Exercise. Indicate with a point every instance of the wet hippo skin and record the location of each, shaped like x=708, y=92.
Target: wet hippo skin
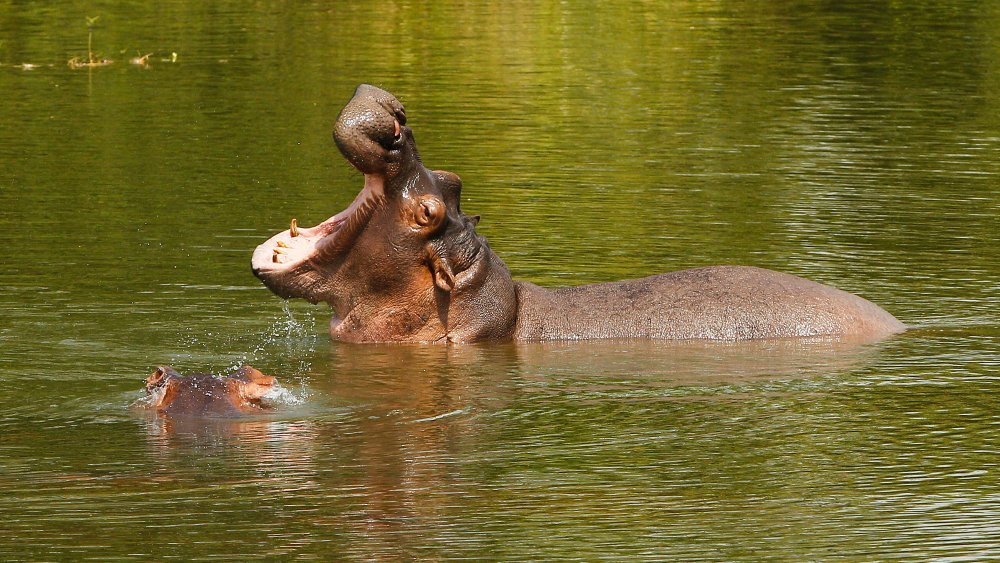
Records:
x=203, y=394
x=403, y=264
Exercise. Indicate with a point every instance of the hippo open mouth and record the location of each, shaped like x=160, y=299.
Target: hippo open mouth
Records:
x=302, y=261
x=293, y=253
x=370, y=134
x=306, y=261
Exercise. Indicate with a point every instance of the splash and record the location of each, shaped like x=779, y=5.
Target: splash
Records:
x=279, y=395
x=147, y=400
x=287, y=334
x=284, y=348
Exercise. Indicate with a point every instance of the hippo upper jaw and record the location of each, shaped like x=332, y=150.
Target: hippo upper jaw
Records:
x=299, y=261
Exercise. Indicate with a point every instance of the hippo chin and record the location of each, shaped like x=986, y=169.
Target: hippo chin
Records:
x=403, y=264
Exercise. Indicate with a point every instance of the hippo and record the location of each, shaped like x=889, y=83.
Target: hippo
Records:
x=202, y=394
x=403, y=264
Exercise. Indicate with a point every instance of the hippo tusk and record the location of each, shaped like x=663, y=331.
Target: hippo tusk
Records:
x=294, y=228
x=281, y=244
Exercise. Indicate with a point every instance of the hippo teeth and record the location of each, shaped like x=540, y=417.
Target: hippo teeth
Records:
x=322, y=243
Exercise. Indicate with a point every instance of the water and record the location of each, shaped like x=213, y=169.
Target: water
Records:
x=853, y=143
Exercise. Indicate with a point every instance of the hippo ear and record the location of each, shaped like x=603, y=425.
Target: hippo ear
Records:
x=451, y=188
x=156, y=377
x=159, y=377
x=253, y=375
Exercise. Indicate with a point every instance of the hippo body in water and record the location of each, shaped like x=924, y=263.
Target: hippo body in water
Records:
x=203, y=394
x=403, y=264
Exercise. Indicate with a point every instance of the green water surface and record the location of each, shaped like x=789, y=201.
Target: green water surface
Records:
x=853, y=143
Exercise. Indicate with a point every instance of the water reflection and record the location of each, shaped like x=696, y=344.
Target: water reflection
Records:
x=409, y=435
x=405, y=451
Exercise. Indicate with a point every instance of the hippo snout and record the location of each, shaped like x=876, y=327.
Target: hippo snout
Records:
x=369, y=129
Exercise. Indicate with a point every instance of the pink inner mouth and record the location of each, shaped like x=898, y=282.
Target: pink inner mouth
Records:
x=294, y=246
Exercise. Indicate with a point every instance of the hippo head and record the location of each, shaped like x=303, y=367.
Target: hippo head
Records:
x=205, y=394
x=392, y=264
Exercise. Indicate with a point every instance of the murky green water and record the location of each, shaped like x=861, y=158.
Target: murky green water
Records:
x=854, y=143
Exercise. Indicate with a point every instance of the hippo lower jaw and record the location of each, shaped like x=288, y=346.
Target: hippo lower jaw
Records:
x=296, y=262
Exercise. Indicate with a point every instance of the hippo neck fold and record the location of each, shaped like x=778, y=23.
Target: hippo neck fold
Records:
x=480, y=302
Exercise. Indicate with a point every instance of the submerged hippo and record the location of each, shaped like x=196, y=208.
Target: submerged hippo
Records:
x=402, y=263
x=202, y=394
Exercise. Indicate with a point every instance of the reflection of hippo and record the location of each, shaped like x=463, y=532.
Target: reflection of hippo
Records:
x=402, y=263
x=202, y=394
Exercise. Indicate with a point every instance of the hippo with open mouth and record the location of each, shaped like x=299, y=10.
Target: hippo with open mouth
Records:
x=403, y=264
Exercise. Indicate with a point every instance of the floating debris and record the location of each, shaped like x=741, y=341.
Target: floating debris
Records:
x=75, y=63
x=93, y=60
x=142, y=60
